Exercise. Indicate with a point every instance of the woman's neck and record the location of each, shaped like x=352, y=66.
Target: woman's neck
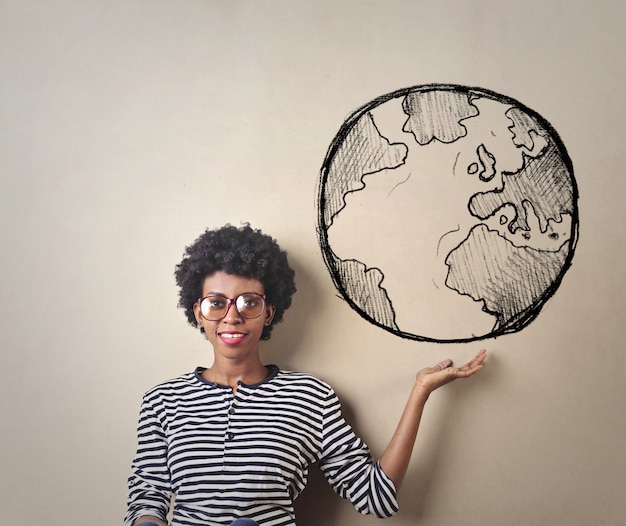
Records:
x=230, y=373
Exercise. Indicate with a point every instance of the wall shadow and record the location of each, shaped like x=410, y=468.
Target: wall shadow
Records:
x=285, y=345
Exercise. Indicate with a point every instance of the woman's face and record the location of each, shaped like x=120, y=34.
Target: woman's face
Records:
x=233, y=335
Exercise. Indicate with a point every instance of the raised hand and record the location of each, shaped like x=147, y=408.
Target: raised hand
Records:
x=432, y=378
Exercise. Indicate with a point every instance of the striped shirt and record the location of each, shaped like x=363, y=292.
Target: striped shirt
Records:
x=227, y=455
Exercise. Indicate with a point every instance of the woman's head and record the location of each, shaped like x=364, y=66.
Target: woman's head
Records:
x=240, y=251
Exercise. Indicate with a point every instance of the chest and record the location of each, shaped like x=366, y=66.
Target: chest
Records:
x=223, y=431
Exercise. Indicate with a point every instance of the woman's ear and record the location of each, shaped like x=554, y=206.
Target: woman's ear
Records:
x=196, y=311
x=269, y=314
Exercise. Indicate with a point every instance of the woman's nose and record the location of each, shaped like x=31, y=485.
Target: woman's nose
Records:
x=232, y=314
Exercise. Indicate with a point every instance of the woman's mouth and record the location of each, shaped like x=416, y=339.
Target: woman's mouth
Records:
x=232, y=338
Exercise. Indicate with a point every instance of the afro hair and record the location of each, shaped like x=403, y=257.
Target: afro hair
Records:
x=241, y=251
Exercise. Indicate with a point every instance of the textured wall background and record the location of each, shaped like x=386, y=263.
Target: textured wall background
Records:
x=126, y=128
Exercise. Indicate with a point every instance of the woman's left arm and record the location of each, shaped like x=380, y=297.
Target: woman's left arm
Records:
x=395, y=460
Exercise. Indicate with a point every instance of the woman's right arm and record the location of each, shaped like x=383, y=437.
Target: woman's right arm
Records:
x=149, y=485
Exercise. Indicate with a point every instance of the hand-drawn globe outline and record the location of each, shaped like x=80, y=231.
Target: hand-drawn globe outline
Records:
x=439, y=115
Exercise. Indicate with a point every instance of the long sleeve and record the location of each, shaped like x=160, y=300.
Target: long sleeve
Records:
x=349, y=467
x=149, y=487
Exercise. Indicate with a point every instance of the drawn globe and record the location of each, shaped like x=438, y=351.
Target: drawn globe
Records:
x=447, y=213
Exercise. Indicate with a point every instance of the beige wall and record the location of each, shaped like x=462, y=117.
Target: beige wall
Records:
x=127, y=127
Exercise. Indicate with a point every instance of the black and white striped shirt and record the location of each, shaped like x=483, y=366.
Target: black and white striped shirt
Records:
x=246, y=454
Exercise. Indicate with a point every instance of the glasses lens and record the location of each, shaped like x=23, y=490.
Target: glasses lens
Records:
x=250, y=305
x=213, y=307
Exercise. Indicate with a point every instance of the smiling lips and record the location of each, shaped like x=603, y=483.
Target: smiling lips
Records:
x=231, y=338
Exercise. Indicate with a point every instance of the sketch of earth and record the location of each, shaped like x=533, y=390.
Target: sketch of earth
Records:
x=447, y=213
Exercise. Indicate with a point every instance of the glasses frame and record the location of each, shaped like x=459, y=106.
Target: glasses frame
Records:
x=233, y=301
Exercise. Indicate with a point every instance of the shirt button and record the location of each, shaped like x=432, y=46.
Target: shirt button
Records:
x=229, y=436
x=231, y=411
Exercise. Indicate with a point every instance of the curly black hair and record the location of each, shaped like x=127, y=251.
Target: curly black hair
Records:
x=241, y=251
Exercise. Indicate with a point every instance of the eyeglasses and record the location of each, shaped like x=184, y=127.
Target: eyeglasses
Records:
x=249, y=305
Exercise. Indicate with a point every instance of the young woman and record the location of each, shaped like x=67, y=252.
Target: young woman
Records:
x=234, y=441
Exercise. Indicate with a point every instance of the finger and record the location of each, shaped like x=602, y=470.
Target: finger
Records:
x=481, y=355
x=478, y=359
x=444, y=364
x=471, y=368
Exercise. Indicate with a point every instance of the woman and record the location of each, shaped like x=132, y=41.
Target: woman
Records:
x=234, y=441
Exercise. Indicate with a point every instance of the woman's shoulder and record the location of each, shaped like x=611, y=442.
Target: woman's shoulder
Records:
x=174, y=386
x=301, y=379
